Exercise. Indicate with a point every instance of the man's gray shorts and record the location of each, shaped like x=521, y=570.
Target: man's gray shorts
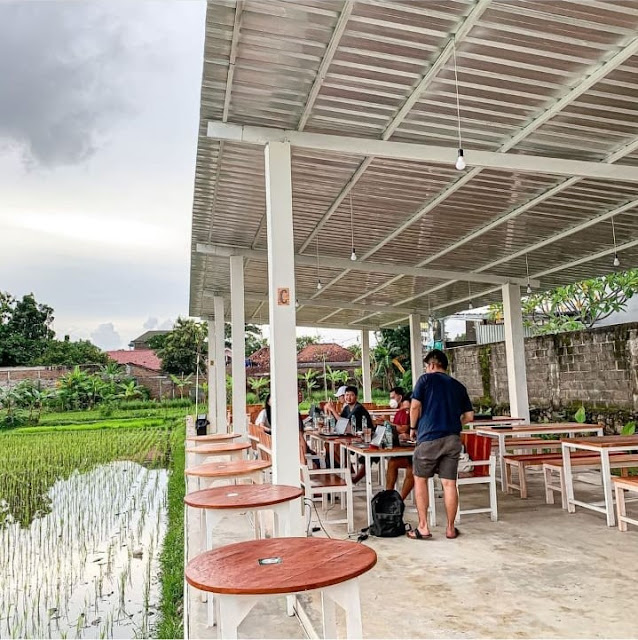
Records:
x=437, y=456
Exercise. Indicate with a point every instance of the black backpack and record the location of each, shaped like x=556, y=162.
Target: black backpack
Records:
x=387, y=515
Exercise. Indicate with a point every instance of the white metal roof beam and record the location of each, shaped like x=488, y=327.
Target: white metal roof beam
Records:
x=331, y=49
x=561, y=267
x=425, y=81
x=225, y=251
x=446, y=156
x=586, y=83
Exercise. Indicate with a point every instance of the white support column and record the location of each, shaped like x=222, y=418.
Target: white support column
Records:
x=515, y=351
x=365, y=365
x=281, y=301
x=416, y=347
x=220, y=366
x=238, y=333
x=212, y=361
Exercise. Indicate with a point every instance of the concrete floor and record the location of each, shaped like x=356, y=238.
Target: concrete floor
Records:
x=538, y=572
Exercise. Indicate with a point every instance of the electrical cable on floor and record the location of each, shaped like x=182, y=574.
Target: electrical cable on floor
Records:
x=312, y=505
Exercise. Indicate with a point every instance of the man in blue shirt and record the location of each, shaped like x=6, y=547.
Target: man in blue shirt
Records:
x=439, y=409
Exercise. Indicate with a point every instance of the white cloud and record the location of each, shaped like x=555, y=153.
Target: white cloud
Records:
x=150, y=324
x=106, y=337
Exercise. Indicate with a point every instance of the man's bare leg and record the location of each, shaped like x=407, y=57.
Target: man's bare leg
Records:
x=422, y=502
x=408, y=483
x=392, y=474
x=451, y=499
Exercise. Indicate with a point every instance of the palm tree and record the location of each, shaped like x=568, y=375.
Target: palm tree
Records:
x=336, y=377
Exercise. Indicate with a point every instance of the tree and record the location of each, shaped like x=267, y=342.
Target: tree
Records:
x=181, y=383
x=253, y=336
x=157, y=341
x=304, y=341
x=259, y=386
x=576, y=306
x=336, y=377
x=309, y=379
x=25, y=329
x=184, y=346
x=65, y=352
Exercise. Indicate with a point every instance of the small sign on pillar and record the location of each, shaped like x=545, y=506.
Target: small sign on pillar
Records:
x=283, y=296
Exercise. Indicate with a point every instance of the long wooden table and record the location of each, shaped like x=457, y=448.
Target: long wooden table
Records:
x=603, y=446
x=515, y=431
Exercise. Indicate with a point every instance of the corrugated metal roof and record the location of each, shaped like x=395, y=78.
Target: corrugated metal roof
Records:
x=536, y=77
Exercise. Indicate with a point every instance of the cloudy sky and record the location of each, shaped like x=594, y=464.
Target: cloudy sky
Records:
x=98, y=120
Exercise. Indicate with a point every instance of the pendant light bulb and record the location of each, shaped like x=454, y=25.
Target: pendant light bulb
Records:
x=460, y=161
x=616, y=261
x=353, y=255
x=319, y=285
x=529, y=289
x=297, y=305
x=470, y=305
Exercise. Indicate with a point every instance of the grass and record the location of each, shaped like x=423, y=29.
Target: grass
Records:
x=172, y=559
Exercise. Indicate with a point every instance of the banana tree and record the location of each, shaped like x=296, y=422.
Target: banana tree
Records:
x=259, y=385
x=336, y=377
x=310, y=381
x=182, y=382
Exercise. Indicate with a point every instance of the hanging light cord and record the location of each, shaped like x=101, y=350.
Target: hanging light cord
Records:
x=458, y=104
x=351, y=222
x=613, y=232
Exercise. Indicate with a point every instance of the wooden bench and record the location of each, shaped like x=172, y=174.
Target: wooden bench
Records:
x=525, y=460
x=554, y=471
x=533, y=444
x=621, y=485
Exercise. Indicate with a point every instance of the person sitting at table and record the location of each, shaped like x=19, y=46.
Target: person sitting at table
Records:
x=353, y=408
x=401, y=420
x=333, y=408
x=264, y=418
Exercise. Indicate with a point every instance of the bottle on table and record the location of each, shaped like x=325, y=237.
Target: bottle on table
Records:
x=387, y=436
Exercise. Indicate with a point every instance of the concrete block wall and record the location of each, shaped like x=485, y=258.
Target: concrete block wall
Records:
x=597, y=367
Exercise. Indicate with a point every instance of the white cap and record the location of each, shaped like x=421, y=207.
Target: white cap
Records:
x=341, y=391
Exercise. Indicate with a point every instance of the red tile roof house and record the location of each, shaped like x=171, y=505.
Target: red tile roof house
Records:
x=146, y=368
x=310, y=357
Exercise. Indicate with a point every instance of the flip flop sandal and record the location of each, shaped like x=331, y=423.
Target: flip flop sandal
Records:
x=457, y=533
x=417, y=535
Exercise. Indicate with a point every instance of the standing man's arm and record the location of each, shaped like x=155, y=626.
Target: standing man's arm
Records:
x=415, y=414
x=466, y=408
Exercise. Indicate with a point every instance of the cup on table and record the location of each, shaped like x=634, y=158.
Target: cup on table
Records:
x=367, y=435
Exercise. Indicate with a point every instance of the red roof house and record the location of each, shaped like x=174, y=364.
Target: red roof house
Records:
x=146, y=358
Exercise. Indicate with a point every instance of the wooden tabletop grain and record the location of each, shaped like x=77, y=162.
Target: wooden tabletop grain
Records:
x=605, y=442
x=221, y=469
x=242, y=496
x=219, y=448
x=214, y=437
x=304, y=564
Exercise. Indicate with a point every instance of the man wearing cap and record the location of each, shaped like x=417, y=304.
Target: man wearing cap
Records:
x=330, y=407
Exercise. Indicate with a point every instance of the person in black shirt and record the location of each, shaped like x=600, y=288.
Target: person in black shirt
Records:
x=439, y=409
x=353, y=408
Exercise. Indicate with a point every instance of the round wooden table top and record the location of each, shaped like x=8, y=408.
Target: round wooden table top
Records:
x=219, y=448
x=223, y=469
x=288, y=565
x=242, y=496
x=214, y=437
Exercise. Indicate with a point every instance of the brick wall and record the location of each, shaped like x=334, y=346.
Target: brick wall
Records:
x=48, y=376
x=598, y=368
x=158, y=384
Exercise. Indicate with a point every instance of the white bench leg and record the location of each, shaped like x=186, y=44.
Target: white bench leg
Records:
x=493, y=495
x=622, y=508
x=607, y=488
x=549, y=492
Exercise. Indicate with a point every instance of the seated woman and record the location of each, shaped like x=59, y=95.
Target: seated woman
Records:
x=264, y=418
x=399, y=399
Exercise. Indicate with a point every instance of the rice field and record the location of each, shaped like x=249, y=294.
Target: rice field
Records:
x=82, y=520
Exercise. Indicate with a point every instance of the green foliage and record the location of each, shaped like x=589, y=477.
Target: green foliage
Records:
x=172, y=556
x=181, y=382
x=25, y=330
x=304, y=341
x=68, y=353
x=391, y=356
x=355, y=350
x=580, y=416
x=183, y=347
x=253, y=338
x=576, y=306
x=336, y=377
x=629, y=429
x=259, y=386
x=309, y=379
x=157, y=341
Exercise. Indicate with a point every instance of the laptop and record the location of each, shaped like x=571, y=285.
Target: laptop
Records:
x=379, y=433
x=343, y=427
